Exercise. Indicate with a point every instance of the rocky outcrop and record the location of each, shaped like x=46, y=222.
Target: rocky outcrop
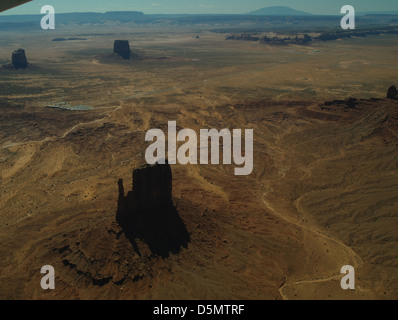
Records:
x=147, y=212
x=301, y=39
x=246, y=37
x=19, y=60
x=350, y=103
x=328, y=37
x=392, y=93
x=122, y=48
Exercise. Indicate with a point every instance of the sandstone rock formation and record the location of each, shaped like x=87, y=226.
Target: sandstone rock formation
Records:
x=392, y=93
x=122, y=48
x=19, y=60
x=280, y=40
x=147, y=212
x=246, y=37
x=350, y=103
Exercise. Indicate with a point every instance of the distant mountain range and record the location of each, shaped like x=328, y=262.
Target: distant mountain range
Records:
x=380, y=12
x=278, y=11
x=269, y=17
x=287, y=11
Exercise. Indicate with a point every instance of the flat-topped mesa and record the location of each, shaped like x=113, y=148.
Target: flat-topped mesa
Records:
x=122, y=48
x=148, y=213
x=19, y=60
x=392, y=93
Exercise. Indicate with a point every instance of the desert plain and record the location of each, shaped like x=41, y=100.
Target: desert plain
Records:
x=322, y=194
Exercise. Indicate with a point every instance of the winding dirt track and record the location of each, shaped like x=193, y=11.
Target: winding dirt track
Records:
x=354, y=256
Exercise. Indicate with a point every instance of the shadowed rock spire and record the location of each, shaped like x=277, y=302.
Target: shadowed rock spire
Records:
x=392, y=92
x=122, y=48
x=147, y=212
x=19, y=60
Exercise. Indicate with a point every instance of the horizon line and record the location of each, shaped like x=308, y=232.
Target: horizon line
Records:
x=305, y=14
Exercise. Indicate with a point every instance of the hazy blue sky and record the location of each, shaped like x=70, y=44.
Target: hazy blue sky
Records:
x=203, y=6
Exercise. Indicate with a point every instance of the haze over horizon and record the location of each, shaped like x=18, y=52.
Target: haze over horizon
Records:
x=202, y=6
